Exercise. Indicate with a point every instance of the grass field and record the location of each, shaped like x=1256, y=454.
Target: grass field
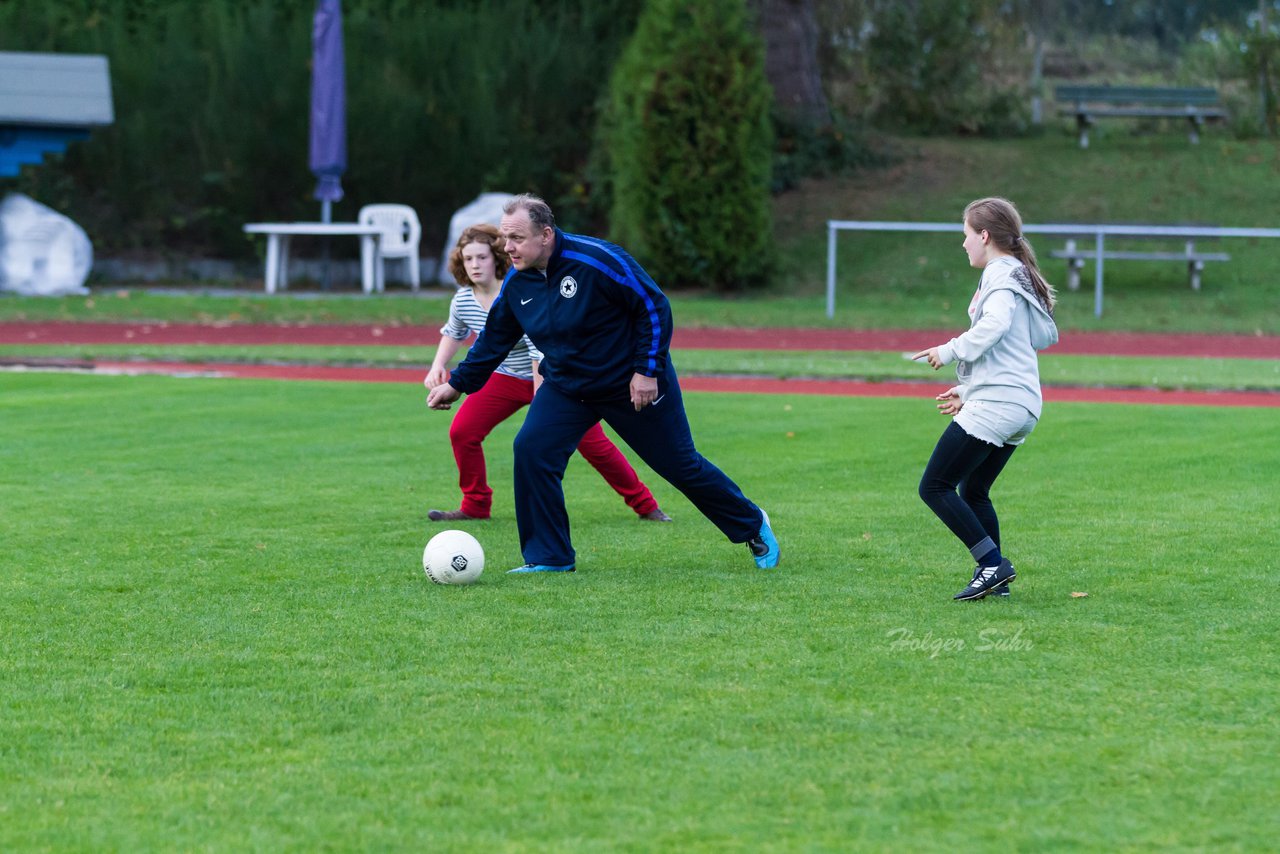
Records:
x=218, y=636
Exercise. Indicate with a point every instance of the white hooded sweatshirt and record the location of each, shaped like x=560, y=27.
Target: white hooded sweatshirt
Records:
x=996, y=358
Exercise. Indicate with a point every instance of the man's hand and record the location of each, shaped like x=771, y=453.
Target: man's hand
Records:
x=644, y=391
x=442, y=395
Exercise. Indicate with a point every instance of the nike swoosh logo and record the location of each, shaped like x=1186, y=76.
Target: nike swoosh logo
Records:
x=657, y=400
x=526, y=301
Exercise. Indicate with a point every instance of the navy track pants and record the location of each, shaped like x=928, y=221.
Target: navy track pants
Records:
x=659, y=434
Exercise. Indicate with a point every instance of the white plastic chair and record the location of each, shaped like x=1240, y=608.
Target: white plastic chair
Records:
x=401, y=232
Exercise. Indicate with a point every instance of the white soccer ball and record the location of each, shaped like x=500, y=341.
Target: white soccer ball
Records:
x=453, y=557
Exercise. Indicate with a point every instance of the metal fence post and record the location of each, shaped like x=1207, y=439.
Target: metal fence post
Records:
x=1097, y=283
x=831, y=269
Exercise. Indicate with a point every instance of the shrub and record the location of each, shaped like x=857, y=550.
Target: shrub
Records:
x=688, y=145
x=807, y=150
x=939, y=67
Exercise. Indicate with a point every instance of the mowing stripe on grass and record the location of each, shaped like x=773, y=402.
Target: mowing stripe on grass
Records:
x=745, y=385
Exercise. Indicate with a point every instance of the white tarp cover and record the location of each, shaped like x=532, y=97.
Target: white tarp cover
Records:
x=42, y=252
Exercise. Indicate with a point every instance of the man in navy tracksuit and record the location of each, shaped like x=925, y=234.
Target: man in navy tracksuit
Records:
x=604, y=329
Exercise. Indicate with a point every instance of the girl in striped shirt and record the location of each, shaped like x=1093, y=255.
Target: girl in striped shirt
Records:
x=479, y=264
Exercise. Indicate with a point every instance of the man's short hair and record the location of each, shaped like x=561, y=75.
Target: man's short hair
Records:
x=539, y=211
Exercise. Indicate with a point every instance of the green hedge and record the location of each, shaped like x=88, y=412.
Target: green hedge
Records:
x=445, y=100
x=689, y=144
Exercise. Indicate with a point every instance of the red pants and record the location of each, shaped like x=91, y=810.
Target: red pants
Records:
x=497, y=401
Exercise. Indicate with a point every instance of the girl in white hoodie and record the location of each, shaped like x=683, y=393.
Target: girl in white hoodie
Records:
x=997, y=401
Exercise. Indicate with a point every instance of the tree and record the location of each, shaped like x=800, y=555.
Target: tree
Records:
x=1261, y=57
x=790, y=32
x=688, y=143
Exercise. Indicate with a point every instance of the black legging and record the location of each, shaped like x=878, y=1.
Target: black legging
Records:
x=971, y=465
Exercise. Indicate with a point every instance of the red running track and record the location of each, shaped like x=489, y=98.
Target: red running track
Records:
x=1083, y=343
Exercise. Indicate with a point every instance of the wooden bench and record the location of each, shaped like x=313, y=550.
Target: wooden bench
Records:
x=1076, y=257
x=1087, y=103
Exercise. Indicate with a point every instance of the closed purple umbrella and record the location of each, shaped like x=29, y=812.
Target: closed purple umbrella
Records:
x=328, y=156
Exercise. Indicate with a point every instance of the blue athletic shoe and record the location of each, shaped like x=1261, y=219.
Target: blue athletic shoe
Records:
x=764, y=546
x=540, y=567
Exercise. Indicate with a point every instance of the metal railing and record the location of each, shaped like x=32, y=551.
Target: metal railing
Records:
x=1098, y=232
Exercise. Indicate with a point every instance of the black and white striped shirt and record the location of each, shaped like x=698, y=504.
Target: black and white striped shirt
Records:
x=467, y=317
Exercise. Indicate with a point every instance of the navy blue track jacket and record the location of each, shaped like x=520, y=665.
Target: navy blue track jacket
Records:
x=596, y=316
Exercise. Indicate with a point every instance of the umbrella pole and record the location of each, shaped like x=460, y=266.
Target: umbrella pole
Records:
x=326, y=216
